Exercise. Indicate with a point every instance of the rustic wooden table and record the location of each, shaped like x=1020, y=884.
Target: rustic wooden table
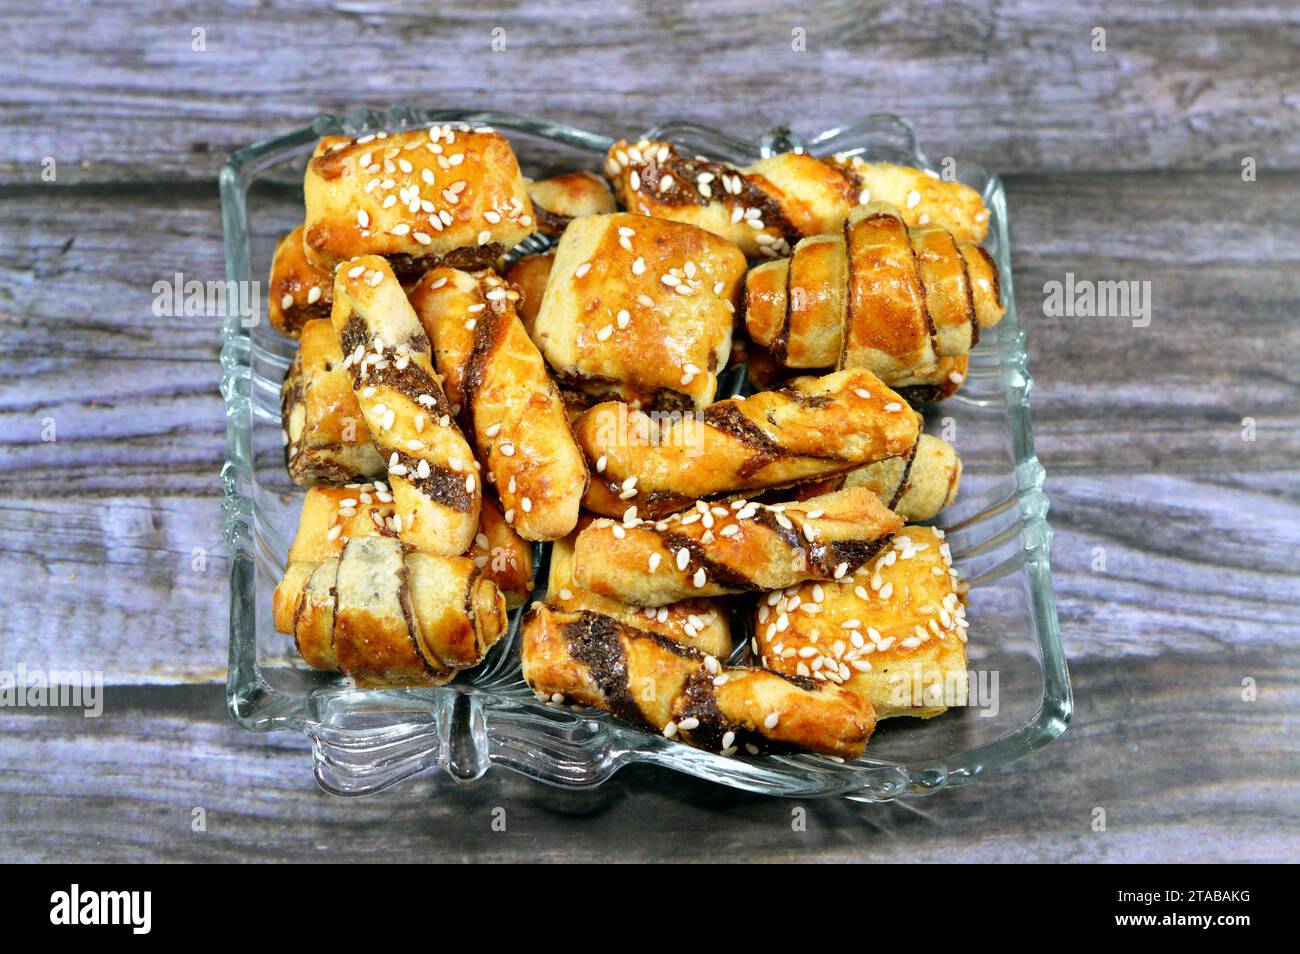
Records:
x=1129, y=162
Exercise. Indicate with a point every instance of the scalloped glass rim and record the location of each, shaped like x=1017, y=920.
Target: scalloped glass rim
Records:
x=366, y=740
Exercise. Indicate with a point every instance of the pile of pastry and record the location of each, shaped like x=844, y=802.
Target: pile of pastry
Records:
x=447, y=411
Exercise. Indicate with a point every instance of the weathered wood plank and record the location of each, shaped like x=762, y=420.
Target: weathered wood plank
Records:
x=1016, y=86
x=1159, y=743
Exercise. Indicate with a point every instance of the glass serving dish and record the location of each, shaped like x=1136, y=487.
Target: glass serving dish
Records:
x=366, y=740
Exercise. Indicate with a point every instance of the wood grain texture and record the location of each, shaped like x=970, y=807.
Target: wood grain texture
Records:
x=1017, y=86
x=1177, y=784
x=1123, y=165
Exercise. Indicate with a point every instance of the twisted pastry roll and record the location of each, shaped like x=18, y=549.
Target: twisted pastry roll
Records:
x=742, y=547
x=641, y=309
x=699, y=623
x=894, y=633
x=326, y=438
x=814, y=428
x=651, y=681
x=560, y=200
x=385, y=618
x=769, y=206
x=331, y=516
x=299, y=291
x=494, y=373
x=430, y=466
x=916, y=487
x=880, y=295
x=447, y=195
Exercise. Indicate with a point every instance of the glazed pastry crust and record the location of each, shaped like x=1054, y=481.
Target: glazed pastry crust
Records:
x=494, y=373
x=431, y=468
x=327, y=440
x=386, y=618
x=640, y=309
x=651, y=681
x=418, y=198
x=742, y=547
x=529, y=274
x=559, y=200
x=814, y=428
x=894, y=633
x=299, y=291
x=700, y=623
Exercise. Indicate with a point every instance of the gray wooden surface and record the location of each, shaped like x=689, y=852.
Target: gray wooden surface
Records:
x=1122, y=164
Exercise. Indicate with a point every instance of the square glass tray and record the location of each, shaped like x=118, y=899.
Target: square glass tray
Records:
x=366, y=740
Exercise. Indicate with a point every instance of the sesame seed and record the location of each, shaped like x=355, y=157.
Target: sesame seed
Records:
x=507, y=449
x=771, y=720
x=699, y=578
x=893, y=406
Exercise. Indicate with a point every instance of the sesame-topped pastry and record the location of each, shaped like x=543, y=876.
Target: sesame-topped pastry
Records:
x=649, y=680
x=508, y=403
x=697, y=622
x=299, y=291
x=640, y=309
x=815, y=427
x=450, y=195
x=880, y=295
x=327, y=440
x=386, y=618
x=331, y=516
x=431, y=468
x=915, y=487
x=561, y=199
x=894, y=632
x=712, y=550
x=767, y=207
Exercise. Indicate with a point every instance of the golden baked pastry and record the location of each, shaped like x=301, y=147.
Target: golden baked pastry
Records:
x=640, y=309
x=814, y=428
x=388, y=618
x=916, y=487
x=879, y=295
x=529, y=274
x=559, y=200
x=510, y=406
x=742, y=547
x=299, y=291
x=449, y=195
x=769, y=206
x=326, y=437
x=649, y=680
x=503, y=555
x=698, y=622
x=894, y=632
x=434, y=477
